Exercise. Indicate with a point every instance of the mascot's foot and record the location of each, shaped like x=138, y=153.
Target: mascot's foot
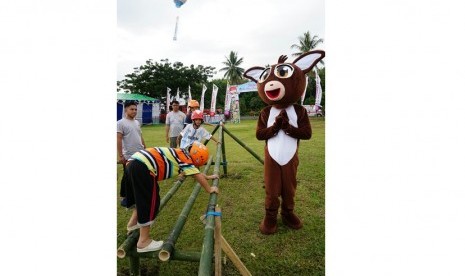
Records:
x=269, y=225
x=291, y=220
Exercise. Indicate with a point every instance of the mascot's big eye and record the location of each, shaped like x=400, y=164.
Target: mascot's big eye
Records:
x=264, y=75
x=283, y=71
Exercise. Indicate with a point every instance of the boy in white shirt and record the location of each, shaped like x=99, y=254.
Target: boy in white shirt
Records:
x=194, y=132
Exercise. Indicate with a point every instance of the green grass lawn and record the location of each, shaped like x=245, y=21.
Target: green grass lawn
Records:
x=241, y=198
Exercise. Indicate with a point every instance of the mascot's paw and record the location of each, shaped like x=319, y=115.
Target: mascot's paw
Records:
x=269, y=225
x=291, y=220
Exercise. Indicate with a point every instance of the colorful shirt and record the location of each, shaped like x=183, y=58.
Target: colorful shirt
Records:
x=190, y=134
x=165, y=163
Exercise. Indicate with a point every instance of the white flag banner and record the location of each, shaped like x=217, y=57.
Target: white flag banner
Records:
x=318, y=90
x=204, y=88
x=305, y=91
x=167, y=99
x=227, y=100
x=189, y=94
x=213, y=103
x=177, y=95
x=230, y=91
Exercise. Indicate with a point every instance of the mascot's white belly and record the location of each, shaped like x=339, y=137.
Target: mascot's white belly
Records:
x=282, y=147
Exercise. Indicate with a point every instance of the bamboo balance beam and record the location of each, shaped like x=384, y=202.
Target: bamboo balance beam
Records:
x=207, y=248
x=218, y=267
x=243, y=145
x=132, y=238
x=213, y=132
x=227, y=249
x=176, y=255
x=168, y=245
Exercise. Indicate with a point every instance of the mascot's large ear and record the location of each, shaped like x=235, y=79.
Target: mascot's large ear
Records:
x=254, y=73
x=307, y=60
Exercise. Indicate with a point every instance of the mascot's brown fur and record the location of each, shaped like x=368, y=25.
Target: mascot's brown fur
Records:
x=282, y=124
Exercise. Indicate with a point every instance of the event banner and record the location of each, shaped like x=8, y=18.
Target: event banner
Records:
x=213, y=102
x=231, y=102
x=230, y=90
x=204, y=88
x=246, y=87
x=167, y=99
x=318, y=90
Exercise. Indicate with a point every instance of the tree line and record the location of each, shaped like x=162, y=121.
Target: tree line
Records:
x=153, y=78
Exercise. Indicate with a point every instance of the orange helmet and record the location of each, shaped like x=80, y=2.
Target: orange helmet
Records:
x=198, y=153
x=197, y=114
x=193, y=103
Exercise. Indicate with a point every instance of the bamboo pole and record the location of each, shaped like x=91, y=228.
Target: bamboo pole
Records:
x=132, y=238
x=213, y=132
x=171, y=192
x=234, y=258
x=229, y=252
x=134, y=266
x=223, y=150
x=129, y=243
x=176, y=255
x=218, y=243
x=168, y=245
x=207, y=248
x=243, y=145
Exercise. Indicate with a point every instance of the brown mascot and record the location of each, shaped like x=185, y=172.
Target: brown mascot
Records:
x=282, y=124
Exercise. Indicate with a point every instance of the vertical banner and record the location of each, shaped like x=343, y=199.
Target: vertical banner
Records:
x=305, y=91
x=168, y=99
x=177, y=95
x=204, y=88
x=189, y=94
x=318, y=91
x=213, y=102
x=230, y=90
x=236, y=115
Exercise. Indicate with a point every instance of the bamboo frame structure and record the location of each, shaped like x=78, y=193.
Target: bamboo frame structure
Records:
x=243, y=145
x=217, y=248
x=176, y=255
x=168, y=245
x=207, y=248
x=212, y=236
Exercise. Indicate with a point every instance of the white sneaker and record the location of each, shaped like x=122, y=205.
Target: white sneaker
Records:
x=153, y=246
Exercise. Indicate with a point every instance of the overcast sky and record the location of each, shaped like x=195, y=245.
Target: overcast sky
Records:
x=258, y=30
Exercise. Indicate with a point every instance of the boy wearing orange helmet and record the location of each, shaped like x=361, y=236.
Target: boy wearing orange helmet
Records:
x=148, y=166
x=194, y=132
x=192, y=106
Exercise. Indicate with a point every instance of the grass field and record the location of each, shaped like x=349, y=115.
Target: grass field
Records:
x=241, y=198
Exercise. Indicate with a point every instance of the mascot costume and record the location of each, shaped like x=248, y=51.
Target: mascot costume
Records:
x=282, y=124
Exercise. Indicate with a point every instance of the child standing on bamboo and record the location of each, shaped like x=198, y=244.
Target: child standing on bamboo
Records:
x=145, y=168
x=195, y=131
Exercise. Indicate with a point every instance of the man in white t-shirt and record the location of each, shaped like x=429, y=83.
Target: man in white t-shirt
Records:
x=174, y=124
x=129, y=140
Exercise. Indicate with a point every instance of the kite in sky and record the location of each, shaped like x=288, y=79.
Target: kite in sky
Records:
x=178, y=4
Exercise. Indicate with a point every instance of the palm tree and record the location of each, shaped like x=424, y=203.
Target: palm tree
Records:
x=233, y=71
x=307, y=42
